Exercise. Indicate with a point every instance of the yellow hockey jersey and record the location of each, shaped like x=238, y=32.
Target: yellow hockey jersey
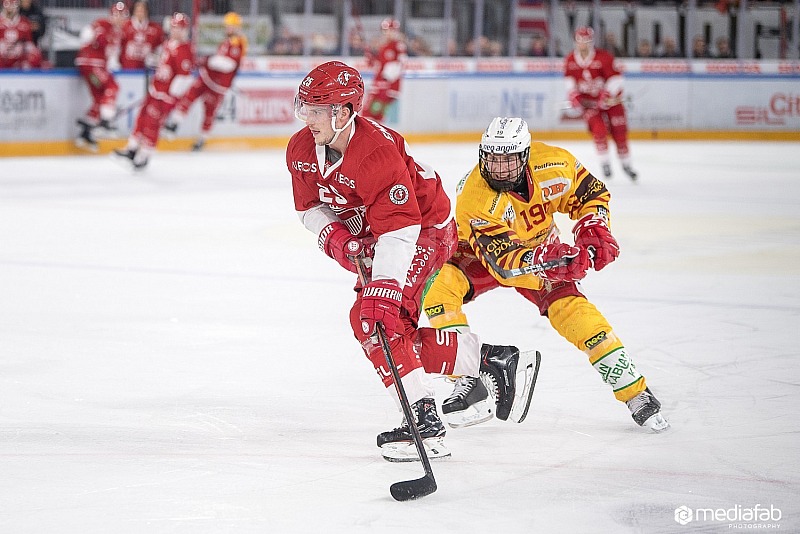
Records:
x=503, y=228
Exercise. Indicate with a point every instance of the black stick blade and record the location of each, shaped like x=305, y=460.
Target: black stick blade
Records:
x=413, y=489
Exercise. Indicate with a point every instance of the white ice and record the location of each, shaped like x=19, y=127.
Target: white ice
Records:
x=175, y=356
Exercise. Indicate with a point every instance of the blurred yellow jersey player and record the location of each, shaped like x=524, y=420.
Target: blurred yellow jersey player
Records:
x=504, y=212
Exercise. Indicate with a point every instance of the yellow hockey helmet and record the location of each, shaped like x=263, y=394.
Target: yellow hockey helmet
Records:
x=232, y=19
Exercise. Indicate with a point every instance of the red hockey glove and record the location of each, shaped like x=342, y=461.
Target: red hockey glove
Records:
x=574, y=100
x=336, y=241
x=380, y=301
x=592, y=233
x=572, y=271
x=603, y=98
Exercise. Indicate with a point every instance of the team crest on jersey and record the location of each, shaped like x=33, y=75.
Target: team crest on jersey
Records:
x=398, y=194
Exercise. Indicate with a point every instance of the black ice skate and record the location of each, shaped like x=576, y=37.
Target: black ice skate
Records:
x=468, y=404
x=85, y=139
x=198, y=145
x=607, y=170
x=170, y=129
x=646, y=411
x=511, y=376
x=630, y=172
x=126, y=158
x=140, y=164
x=106, y=129
x=398, y=445
x=123, y=154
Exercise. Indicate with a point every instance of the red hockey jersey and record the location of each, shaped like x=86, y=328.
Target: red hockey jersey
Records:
x=592, y=74
x=375, y=188
x=139, y=40
x=177, y=59
x=389, y=62
x=220, y=69
x=15, y=35
x=101, y=40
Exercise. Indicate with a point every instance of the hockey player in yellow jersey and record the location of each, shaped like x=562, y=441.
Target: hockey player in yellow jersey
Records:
x=506, y=230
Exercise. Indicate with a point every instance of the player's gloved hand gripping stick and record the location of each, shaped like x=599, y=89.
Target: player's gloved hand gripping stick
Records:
x=407, y=489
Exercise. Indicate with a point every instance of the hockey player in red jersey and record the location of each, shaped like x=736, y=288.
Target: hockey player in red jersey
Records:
x=172, y=77
x=100, y=41
x=17, y=47
x=215, y=78
x=358, y=189
x=594, y=88
x=388, y=63
x=141, y=38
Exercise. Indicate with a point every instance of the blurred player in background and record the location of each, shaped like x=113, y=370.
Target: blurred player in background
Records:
x=356, y=187
x=594, y=89
x=170, y=81
x=215, y=78
x=141, y=39
x=504, y=212
x=100, y=43
x=388, y=64
x=18, y=49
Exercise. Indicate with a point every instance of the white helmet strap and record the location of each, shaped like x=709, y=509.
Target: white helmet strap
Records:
x=343, y=128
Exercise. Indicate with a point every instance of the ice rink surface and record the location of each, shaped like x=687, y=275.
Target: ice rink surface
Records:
x=175, y=356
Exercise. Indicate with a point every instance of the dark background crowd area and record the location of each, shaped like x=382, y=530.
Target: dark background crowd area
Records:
x=476, y=28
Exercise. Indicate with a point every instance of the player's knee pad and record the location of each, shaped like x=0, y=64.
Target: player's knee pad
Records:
x=579, y=321
x=444, y=298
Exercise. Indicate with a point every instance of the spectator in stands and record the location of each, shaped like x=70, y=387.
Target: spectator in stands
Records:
x=724, y=48
x=669, y=48
x=538, y=46
x=700, y=48
x=286, y=43
x=34, y=13
x=613, y=47
x=488, y=47
x=419, y=47
x=452, y=48
x=358, y=45
x=644, y=49
x=17, y=49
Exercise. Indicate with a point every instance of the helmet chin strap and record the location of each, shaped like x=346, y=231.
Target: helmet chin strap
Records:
x=343, y=128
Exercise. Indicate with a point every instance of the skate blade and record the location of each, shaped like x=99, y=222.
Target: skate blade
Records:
x=478, y=413
x=123, y=161
x=406, y=451
x=84, y=145
x=656, y=423
x=527, y=372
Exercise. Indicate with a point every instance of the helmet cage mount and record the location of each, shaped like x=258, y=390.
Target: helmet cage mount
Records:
x=504, y=152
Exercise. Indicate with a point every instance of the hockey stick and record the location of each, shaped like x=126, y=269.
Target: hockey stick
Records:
x=534, y=268
x=407, y=489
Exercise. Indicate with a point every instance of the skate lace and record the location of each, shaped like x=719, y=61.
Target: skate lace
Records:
x=463, y=386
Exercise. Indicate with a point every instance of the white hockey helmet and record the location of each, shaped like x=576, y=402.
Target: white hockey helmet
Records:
x=503, y=153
